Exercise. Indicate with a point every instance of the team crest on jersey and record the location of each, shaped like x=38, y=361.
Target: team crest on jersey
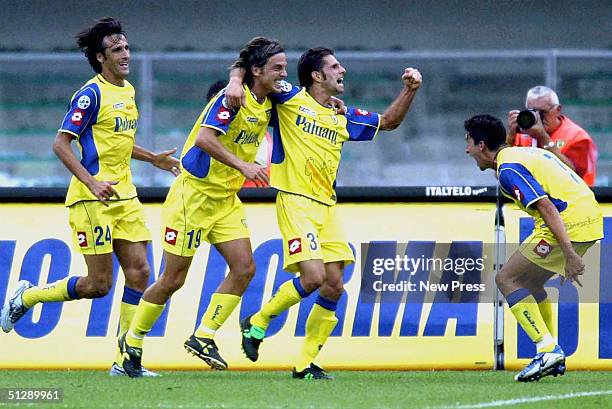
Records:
x=268, y=113
x=295, y=246
x=170, y=236
x=118, y=105
x=82, y=239
x=334, y=119
x=77, y=117
x=252, y=119
x=285, y=86
x=543, y=248
x=518, y=194
x=84, y=102
x=361, y=112
x=223, y=115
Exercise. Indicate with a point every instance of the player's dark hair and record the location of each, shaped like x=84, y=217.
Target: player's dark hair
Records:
x=311, y=60
x=488, y=129
x=256, y=53
x=215, y=88
x=90, y=40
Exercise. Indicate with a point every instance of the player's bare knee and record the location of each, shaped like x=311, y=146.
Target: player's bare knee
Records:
x=172, y=282
x=312, y=282
x=100, y=288
x=138, y=276
x=332, y=291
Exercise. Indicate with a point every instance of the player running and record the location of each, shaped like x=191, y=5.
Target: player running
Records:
x=105, y=213
x=568, y=221
x=308, y=138
x=203, y=205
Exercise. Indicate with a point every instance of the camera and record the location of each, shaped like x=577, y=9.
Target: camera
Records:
x=527, y=118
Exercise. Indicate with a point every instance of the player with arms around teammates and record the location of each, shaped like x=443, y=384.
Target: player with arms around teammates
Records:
x=568, y=221
x=203, y=205
x=104, y=212
x=308, y=139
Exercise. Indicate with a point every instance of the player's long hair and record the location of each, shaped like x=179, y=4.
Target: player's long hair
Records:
x=256, y=53
x=311, y=60
x=488, y=129
x=90, y=40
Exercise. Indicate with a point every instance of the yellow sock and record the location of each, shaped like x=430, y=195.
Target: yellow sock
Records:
x=145, y=317
x=526, y=311
x=289, y=293
x=129, y=304
x=62, y=290
x=219, y=308
x=320, y=324
x=546, y=312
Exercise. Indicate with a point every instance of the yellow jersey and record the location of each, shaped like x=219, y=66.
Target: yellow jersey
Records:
x=241, y=133
x=103, y=118
x=528, y=174
x=308, y=140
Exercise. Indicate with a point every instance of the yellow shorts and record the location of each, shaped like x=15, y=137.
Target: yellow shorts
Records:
x=190, y=217
x=95, y=225
x=311, y=231
x=543, y=249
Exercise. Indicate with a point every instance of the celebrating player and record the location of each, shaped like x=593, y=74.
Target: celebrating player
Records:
x=105, y=213
x=308, y=138
x=568, y=220
x=203, y=204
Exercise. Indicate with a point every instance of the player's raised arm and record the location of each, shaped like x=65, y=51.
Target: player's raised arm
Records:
x=234, y=93
x=207, y=140
x=103, y=190
x=163, y=160
x=396, y=112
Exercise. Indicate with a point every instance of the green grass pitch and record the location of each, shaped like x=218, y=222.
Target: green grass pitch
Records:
x=354, y=390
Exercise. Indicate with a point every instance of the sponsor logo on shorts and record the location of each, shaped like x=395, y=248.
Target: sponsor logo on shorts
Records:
x=295, y=246
x=517, y=193
x=84, y=102
x=543, y=248
x=82, y=239
x=170, y=236
x=361, y=112
x=77, y=117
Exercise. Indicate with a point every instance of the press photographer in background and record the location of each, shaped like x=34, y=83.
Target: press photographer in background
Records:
x=543, y=125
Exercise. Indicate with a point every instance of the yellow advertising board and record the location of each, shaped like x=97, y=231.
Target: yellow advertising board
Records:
x=583, y=315
x=35, y=244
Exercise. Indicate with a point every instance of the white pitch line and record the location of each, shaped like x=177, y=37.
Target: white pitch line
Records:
x=510, y=402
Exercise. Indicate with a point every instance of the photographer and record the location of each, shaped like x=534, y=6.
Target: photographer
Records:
x=549, y=129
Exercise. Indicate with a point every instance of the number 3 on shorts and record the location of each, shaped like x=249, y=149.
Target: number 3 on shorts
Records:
x=313, y=241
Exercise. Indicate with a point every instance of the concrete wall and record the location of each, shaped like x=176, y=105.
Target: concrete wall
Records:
x=213, y=25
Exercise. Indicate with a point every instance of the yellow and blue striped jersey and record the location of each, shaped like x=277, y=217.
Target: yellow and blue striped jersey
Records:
x=103, y=118
x=528, y=174
x=241, y=133
x=308, y=140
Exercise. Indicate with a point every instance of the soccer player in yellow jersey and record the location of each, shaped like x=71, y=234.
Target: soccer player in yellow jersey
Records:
x=308, y=138
x=104, y=212
x=568, y=220
x=203, y=204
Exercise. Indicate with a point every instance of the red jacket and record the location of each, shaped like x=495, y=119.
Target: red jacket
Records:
x=575, y=143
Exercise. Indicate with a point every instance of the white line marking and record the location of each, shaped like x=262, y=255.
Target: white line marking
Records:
x=509, y=402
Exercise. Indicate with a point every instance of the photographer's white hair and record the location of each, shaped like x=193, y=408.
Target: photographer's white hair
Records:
x=542, y=91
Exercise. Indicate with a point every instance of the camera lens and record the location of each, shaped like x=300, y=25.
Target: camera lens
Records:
x=526, y=119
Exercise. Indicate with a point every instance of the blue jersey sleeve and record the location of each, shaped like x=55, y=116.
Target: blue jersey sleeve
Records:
x=361, y=124
x=83, y=110
x=219, y=115
x=518, y=182
x=288, y=91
